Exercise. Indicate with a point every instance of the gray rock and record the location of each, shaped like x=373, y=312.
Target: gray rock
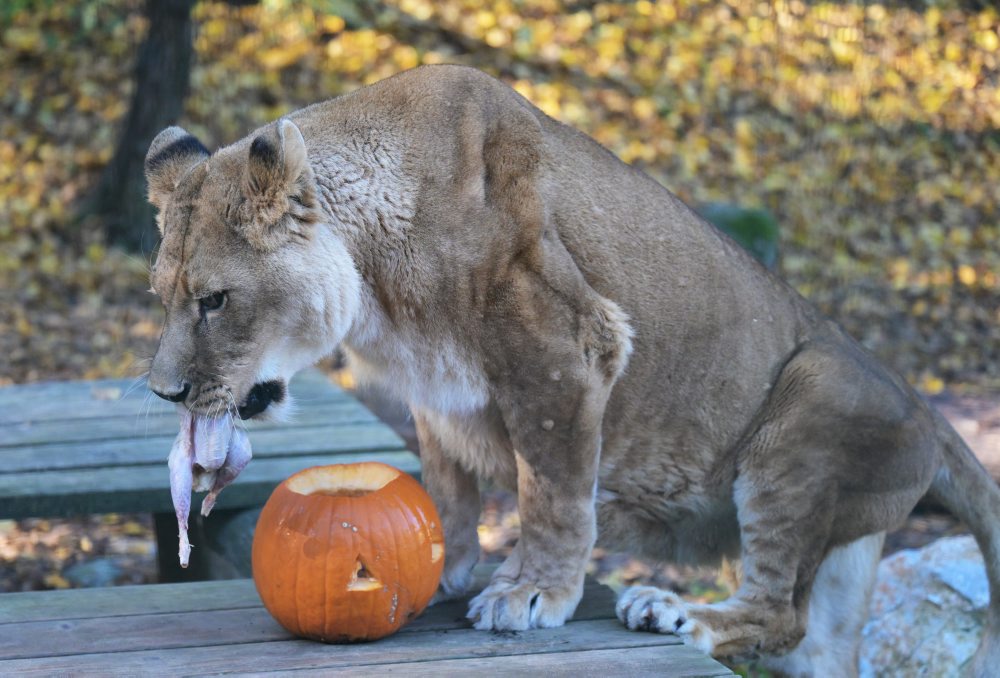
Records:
x=91, y=573
x=927, y=611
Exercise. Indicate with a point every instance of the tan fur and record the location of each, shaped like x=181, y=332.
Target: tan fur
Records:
x=560, y=323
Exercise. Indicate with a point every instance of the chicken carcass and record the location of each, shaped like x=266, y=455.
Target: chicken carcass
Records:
x=208, y=454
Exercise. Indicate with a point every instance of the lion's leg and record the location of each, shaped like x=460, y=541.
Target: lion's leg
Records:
x=551, y=388
x=541, y=582
x=838, y=610
x=784, y=527
x=837, y=455
x=455, y=492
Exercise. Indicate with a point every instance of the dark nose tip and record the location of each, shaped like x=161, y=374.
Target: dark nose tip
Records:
x=176, y=397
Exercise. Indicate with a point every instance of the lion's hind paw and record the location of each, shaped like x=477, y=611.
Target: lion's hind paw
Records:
x=646, y=608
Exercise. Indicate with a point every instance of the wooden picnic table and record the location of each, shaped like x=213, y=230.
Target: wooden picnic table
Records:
x=221, y=627
x=95, y=447
x=75, y=448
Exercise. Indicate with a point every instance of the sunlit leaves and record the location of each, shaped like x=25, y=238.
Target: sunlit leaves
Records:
x=866, y=129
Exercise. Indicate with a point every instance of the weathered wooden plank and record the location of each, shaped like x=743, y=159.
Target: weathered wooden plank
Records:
x=118, y=601
x=198, y=628
x=414, y=646
x=126, y=452
x=124, y=397
x=51, y=410
x=83, y=390
x=145, y=488
x=222, y=627
x=675, y=661
x=152, y=599
x=138, y=632
x=333, y=412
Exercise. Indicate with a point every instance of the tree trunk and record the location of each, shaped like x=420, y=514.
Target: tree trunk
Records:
x=162, y=73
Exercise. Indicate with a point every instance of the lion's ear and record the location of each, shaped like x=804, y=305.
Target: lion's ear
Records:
x=278, y=189
x=172, y=153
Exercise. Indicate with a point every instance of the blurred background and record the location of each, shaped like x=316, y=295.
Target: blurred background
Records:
x=855, y=145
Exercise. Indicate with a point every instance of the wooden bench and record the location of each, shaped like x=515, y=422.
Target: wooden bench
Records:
x=221, y=627
x=72, y=448
x=96, y=447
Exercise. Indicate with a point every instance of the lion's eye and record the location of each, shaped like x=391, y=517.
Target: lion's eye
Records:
x=212, y=302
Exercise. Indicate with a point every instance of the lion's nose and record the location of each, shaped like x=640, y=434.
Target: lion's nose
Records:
x=177, y=397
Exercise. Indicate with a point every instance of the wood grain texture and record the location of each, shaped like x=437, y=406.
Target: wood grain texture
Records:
x=333, y=411
x=221, y=627
x=288, y=441
x=70, y=448
x=119, y=601
x=493, y=651
x=197, y=628
x=133, y=489
x=58, y=400
x=67, y=448
x=155, y=599
x=672, y=661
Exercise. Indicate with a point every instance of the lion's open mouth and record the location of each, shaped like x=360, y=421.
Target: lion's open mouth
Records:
x=260, y=397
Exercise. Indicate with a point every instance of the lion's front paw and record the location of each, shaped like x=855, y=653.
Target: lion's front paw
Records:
x=518, y=605
x=645, y=608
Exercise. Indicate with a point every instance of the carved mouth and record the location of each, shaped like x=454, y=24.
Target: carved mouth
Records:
x=260, y=397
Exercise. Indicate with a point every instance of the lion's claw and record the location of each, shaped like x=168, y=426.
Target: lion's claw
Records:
x=646, y=608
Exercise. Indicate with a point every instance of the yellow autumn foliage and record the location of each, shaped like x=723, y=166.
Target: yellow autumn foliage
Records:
x=869, y=130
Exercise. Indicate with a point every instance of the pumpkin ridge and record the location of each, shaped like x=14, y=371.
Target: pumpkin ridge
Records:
x=325, y=570
x=388, y=500
x=295, y=589
x=395, y=541
x=369, y=536
x=419, y=563
x=407, y=512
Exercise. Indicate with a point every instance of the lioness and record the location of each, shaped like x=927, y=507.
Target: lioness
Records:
x=563, y=325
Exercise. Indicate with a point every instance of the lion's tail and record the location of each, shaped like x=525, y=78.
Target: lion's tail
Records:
x=964, y=487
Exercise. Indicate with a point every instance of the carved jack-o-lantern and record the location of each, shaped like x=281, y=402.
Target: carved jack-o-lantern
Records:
x=347, y=552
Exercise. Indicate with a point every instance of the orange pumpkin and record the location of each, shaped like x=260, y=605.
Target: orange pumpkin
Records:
x=347, y=552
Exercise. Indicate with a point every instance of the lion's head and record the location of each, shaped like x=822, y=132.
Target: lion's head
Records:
x=253, y=288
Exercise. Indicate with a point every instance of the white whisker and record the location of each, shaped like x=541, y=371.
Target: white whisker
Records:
x=141, y=380
x=143, y=411
x=213, y=409
x=234, y=410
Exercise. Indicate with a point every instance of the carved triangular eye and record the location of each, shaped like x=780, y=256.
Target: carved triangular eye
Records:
x=362, y=579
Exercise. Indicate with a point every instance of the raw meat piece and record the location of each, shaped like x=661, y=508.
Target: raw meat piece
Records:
x=211, y=441
x=207, y=454
x=237, y=460
x=181, y=465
